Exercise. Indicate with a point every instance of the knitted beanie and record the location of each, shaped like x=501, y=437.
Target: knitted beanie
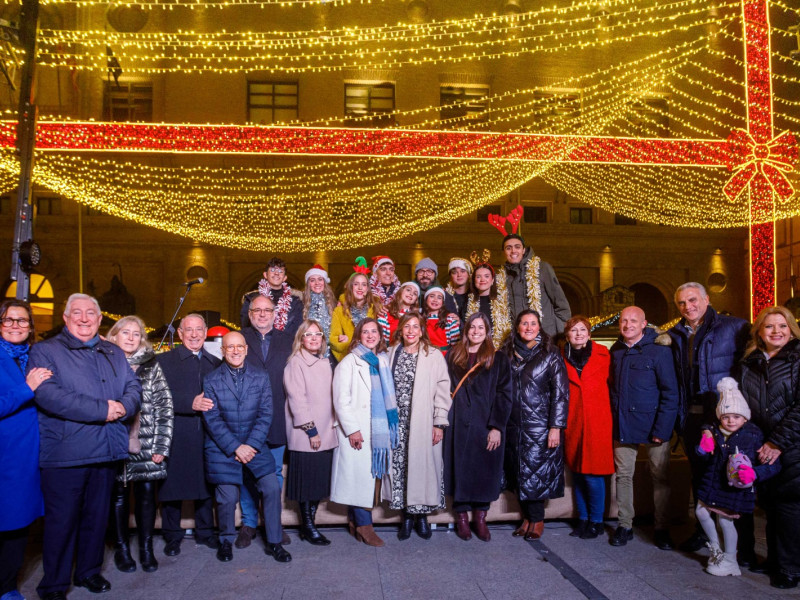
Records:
x=427, y=263
x=461, y=263
x=318, y=270
x=731, y=401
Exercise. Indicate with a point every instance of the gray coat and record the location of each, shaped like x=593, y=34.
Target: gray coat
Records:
x=155, y=421
x=555, y=307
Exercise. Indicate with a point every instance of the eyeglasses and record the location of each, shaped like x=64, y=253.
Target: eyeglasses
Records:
x=9, y=322
x=235, y=347
x=428, y=272
x=277, y=270
x=309, y=334
x=262, y=311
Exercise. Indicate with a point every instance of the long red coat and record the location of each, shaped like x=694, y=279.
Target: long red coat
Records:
x=588, y=445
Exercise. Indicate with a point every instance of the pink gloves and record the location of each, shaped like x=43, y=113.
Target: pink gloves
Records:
x=707, y=444
x=746, y=474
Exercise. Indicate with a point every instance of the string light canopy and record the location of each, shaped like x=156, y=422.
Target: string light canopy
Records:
x=724, y=166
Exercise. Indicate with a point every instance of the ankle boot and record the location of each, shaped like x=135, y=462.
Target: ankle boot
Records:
x=535, y=531
x=481, y=530
x=462, y=526
x=522, y=529
x=120, y=509
x=367, y=534
x=308, y=530
x=423, y=527
x=406, y=526
x=145, y=494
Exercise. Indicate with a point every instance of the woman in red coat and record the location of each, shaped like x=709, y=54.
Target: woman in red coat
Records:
x=588, y=437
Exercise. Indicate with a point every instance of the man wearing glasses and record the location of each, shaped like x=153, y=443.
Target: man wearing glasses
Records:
x=288, y=303
x=268, y=349
x=236, y=443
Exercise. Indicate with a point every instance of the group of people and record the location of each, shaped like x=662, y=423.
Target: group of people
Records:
x=398, y=392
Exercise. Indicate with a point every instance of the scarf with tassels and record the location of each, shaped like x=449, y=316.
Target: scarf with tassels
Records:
x=383, y=410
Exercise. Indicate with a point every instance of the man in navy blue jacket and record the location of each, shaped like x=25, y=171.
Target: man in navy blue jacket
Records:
x=236, y=440
x=644, y=402
x=81, y=412
x=706, y=347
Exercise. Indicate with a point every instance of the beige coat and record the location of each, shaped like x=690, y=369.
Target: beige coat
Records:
x=352, y=482
x=307, y=380
x=430, y=403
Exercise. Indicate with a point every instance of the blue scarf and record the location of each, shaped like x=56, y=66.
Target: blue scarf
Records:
x=383, y=410
x=18, y=352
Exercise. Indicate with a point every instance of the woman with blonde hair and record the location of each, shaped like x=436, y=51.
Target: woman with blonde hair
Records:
x=769, y=382
x=422, y=387
x=358, y=303
x=150, y=439
x=310, y=431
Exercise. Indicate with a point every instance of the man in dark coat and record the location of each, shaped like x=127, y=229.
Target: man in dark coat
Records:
x=644, y=406
x=288, y=303
x=81, y=412
x=706, y=347
x=237, y=425
x=267, y=350
x=531, y=281
x=185, y=367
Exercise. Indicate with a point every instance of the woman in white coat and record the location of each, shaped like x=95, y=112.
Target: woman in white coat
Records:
x=422, y=385
x=366, y=413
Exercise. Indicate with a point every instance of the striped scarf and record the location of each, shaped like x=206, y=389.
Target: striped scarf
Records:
x=383, y=410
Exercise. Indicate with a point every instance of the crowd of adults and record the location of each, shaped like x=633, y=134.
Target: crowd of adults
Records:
x=412, y=389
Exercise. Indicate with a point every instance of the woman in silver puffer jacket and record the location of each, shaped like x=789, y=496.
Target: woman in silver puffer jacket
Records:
x=150, y=438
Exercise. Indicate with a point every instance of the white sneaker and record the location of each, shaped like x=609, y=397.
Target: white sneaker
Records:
x=725, y=566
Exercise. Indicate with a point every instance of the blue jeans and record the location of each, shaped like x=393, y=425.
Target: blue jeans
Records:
x=590, y=496
x=359, y=516
x=248, y=491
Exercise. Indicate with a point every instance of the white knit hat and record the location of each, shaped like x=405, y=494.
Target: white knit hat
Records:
x=413, y=284
x=461, y=263
x=731, y=401
x=435, y=289
x=318, y=270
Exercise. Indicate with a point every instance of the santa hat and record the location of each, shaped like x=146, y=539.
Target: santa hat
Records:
x=318, y=270
x=731, y=401
x=461, y=263
x=377, y=261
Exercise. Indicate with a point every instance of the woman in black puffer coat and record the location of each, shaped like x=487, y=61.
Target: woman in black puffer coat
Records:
x=771, y=385
x=148, y=447
x=534, y=453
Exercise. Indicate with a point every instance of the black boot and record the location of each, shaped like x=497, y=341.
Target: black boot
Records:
x=406, y=527
x=120, y=513
x=423, y=527
x=145, y=493
x=308, y=530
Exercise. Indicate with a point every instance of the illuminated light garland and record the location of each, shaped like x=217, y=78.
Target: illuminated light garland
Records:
x=95, y=59
x=196, y=4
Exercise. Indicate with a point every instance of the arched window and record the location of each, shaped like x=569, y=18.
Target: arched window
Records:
x=41, y=299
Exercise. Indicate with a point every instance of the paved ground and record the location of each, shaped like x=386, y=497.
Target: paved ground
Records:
x=557, y=566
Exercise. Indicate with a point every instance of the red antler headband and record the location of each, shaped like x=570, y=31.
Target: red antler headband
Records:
x=513, y=217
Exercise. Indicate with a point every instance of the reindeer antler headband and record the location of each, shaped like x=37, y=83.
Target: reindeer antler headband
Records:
x=513, y=217
x=481, y=260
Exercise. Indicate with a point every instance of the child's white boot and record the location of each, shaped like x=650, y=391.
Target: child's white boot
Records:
x=722, y=564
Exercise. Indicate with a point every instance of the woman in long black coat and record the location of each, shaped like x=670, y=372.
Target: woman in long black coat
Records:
x=771, y=385
x=473, y=451
x=534, y=452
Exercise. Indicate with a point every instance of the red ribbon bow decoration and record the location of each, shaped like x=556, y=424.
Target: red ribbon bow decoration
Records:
x=770, y=161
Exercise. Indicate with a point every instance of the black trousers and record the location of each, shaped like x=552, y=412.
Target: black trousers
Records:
x=783, y=533
x=467, y=506
x=12, y=554
x=76, y=505
x=533, y=510
x=203, y=519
